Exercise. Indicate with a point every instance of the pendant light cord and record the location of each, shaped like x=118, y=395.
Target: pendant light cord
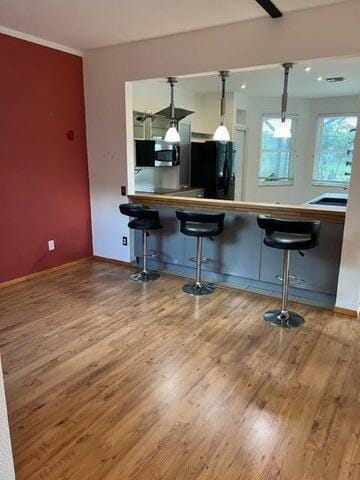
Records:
x=223, y=74
x=284, y=97
x=172, y=81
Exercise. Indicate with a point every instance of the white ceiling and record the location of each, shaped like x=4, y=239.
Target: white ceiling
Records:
x=269, y=81
x=86, y=24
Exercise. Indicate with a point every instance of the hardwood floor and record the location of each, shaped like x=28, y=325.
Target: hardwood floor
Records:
x=111, y=379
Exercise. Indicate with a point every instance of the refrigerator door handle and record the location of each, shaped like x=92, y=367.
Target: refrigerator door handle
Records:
x=226, y=177
x=176, y=155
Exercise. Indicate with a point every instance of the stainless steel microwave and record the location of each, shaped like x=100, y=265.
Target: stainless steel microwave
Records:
x=156, y=153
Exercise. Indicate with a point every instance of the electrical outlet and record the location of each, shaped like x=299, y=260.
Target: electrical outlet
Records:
x=123, y=190
x=51, y=245
x=125, y=241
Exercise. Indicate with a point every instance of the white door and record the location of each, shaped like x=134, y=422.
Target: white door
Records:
x=239, y=141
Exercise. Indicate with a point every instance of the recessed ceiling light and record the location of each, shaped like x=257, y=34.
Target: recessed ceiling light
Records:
x=307, y=69
x=319, y=79
x=243, y=86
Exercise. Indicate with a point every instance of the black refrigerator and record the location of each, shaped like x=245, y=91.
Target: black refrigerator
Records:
x=212, y=168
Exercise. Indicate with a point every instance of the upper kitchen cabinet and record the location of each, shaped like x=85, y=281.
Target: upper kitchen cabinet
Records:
x=159, y=126
x=141, y=125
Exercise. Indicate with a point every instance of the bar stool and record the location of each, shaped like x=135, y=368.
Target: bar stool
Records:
x=200, y=225
x=144, y=219
x=288, y=235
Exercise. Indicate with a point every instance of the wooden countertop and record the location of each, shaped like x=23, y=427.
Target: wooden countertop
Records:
x=329, y=214
x=169, y=191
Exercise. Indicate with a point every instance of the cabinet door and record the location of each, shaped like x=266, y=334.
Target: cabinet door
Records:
x=167, y=241
x=235, y=252
x=159, y=127
x=139, y=132
x=138, y=125
x=319, y=267
x=158, y=133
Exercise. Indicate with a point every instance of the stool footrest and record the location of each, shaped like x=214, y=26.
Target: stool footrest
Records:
x=293, y=280
x=204, y=260
x=152, y=253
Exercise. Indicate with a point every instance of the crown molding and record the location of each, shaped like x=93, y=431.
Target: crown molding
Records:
x=39, y=41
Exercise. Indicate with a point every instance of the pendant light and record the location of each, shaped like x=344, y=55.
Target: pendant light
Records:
x=172, y=135
x=283, y=129
x=222, y=133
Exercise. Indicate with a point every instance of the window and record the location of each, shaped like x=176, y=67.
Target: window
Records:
x=334, y=149
x=276, y=154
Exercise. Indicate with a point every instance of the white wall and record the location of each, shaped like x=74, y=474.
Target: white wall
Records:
x=6, y=460
x=307, y=112
x=298, y=36
x=210, y=113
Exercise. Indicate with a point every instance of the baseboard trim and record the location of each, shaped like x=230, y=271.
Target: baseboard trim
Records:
x=30, y=276
x=111, y=260
x=346, y=311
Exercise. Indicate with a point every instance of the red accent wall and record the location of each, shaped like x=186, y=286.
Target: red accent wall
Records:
x=44, y=186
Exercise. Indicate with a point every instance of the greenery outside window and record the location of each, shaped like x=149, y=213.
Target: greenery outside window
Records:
x=334, y=149
x=276, y=154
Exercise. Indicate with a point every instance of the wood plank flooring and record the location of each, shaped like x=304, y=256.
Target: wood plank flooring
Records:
x=108, y=379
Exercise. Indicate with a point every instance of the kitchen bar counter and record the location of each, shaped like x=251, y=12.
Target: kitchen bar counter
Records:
x=239, y=257
x=184, y=192
x=324, y=213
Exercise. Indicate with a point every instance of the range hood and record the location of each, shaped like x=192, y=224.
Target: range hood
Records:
x=180, y=113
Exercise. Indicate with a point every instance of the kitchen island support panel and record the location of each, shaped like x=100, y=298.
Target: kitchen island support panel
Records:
x=239, y=253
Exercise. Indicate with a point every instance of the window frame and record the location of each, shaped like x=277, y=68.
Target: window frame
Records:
x=317, y=150
x=288, y=181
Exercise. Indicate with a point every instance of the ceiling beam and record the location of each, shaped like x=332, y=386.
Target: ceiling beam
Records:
x=269, y=8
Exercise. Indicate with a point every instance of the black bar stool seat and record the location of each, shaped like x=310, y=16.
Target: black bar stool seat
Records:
x=289, y=241
x=287, y=235
x=130, y=209
x=200, y=225
x=152, y=223
x=198, y=229
x=144, y=219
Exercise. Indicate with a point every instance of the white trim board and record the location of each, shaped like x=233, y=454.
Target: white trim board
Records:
x=39, y=41
x=6, y=457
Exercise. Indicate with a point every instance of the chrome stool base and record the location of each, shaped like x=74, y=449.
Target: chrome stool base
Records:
x=144, y=276
x=277, y=318
x=198, y=289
